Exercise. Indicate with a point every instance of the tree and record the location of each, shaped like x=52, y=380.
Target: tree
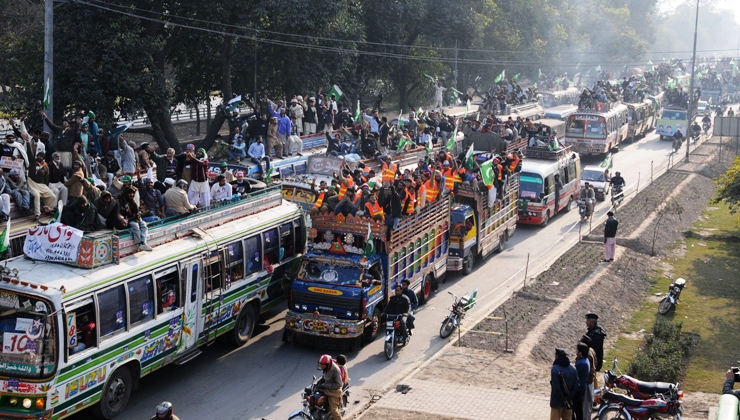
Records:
x=728, y=186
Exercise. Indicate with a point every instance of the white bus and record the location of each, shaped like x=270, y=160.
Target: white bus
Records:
x=76, y=337
x=597, y=132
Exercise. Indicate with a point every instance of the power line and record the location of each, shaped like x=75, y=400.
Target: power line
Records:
x=335, y=40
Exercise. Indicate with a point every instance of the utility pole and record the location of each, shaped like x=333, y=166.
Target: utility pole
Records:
x=255, y=75
x=691, y=85
x=49, y=58
x=455, y=74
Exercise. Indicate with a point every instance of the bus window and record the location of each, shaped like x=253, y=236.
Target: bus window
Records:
x=141, y=299
x=194, y=284
x=84, y=318
x=234, y=262
x=168, y=289
x=112, y=305
x=272, y=246
x=253, y=248
x=287, y=245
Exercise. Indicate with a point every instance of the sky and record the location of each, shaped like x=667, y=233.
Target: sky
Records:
x=732, y=6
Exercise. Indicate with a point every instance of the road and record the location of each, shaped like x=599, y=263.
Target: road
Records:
x=264, y=378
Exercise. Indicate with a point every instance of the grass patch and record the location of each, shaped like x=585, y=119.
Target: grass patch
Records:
x=708, y=307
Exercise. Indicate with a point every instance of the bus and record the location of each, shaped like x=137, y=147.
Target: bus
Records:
x=537, y=201
x=77, y=337
x=560, y=97
x=561, y=112
x=641, y=118
x=597, y=132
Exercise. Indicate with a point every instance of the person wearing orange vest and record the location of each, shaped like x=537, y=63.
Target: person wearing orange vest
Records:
x=344, y=184
x=409, y=201
x=433, y=187
x=374, y=209
x=449, y=174
x=499, y=174
x=421, y=192
x=515, y=159
x=390, y=169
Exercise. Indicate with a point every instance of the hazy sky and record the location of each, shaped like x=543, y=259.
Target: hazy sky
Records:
x=732, y=6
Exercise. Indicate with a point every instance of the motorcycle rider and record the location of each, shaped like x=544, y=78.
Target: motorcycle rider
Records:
x=164, y=411
x=414, y=301
x=399, y=304
x=331, y=384
x=707, y=121
x=617, y=181
x=696, y=128
x=677, y=139
x=587, y=193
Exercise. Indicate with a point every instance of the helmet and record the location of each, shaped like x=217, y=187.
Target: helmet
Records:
x=164, y=408
x=324, y=360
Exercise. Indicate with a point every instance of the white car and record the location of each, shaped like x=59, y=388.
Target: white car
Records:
x=703, y=108
x=598, y=177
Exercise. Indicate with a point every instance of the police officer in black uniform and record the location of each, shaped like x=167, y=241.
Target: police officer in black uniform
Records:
x=597, y=336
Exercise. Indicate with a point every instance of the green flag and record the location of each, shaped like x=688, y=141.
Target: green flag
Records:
x=578, y=66
x=539, y=73
x=516, y=77
x=233, y=104
x=486, y=172
x=369, y=243
x=576, y=75
x=269, y=174
x=120, y=128
x=337, y=92
x=650, y=66
x=58, y=213
x=455, y=90
x=430, y=78
x=598, y=68
x=467, y=108
x=500, y=77
x=419, y=112
x=5, y=238
x=469, y=158
x=47, y=95
x=534, y=86
x=429, y=147
x=401, y=144
x=358, y=118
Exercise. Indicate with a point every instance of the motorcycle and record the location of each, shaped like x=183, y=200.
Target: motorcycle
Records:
x=393, y=336
x=457, y=313
x=671, y=299
x=617, y=195
x=316, y=403
x=636, y=388
x=676, y=145
x=620, y=406
x=583, y=209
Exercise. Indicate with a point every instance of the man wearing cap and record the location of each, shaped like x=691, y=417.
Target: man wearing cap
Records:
x=597, y=335
x=241, y=185
x=112, y=166
x=221, y=191
x=283, y=131
x=610, y=237
x=186, y=166
x=226, y=172
x=563, y=386
x=91, y=121
x=131, y=216
x=75, y=183
x=153, y=202
x=176, y=198
x=310, y=117
x=296, y=112
x=38, y=178
x=199, y=192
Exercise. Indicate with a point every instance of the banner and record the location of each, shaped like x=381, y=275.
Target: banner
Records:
x=55, y=243
x=8, y=163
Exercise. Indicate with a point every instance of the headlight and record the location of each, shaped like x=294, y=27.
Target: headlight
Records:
x=349, y=313
x=676, y=289
x=297, y=306
x=304, y=307
x=26, y=403
x=13, y=401
x=40, y=403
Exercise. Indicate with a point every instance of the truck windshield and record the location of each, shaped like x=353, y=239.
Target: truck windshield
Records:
x=28, y=337
x=322, y=272
x=530, y=186
x=461, y=225
x=674, y=115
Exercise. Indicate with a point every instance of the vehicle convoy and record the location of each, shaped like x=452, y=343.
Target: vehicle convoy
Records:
x=671, y=299
x=86, y=331
x=537, y=195
x=481, y=224
x=345, y=279
x=597, y=131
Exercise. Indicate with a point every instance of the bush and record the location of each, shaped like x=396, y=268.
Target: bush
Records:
x=661, y=357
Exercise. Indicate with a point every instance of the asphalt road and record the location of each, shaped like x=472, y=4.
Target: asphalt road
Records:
x=264, y=378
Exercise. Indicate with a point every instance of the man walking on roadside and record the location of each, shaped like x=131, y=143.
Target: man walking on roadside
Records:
x=563, y=386
x=610, y=237
x=597, y=335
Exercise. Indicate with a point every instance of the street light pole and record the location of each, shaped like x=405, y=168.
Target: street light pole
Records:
x=49, y=59
x=691, y=85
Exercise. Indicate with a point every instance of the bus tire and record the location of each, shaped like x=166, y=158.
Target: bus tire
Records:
x=244, y=325
x=546, y=220
x=569, y=205
x=116, y=394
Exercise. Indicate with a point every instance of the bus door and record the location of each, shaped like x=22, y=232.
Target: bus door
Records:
x=212, y=284
x=191, y=271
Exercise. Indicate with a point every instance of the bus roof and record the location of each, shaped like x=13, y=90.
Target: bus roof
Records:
x=561, y=111
x=539, y=167
x=77, y=280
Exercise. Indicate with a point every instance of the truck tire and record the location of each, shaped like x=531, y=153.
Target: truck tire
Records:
x=468, y=263
x=502, y=242
x=426, y=289
x=371, y=331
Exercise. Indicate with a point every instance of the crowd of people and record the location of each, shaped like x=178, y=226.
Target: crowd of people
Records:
x=506, y=93
x=104, y=181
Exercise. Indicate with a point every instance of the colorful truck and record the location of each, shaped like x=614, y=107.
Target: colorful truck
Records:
x=352, y=265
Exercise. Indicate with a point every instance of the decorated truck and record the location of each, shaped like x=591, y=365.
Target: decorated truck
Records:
x=353, y=263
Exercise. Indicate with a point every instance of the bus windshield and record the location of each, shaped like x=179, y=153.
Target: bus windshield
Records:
x=321, y=272
x=674, y=115
x=530, y=186
x=575, y=127
x=28, y=337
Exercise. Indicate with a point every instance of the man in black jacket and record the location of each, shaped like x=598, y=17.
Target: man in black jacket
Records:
x=399, y=304
x=390, y=199
x=597, y=335
x=730, y=383
x=610, y=237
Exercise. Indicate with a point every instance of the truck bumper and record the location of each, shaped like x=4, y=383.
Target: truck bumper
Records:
x=323, y=325
x=454, y=263
x=41, y=415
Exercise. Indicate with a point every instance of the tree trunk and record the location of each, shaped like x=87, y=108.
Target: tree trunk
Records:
x=163, y=130
x=226, y=92
x=197, y=119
